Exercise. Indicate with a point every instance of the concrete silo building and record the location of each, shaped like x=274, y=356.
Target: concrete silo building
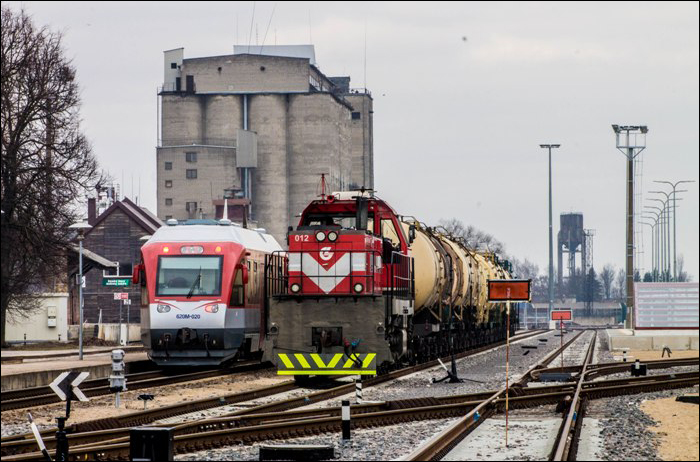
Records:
x=258, y=127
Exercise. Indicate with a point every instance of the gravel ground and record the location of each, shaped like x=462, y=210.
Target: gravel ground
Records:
x=624, y=426
x=528, y=439
x=15, y=421
x=483, y=371
x=226, y=410
x=366, y=444
x=396, y=441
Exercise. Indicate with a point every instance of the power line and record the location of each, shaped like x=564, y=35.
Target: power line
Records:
x=250, y=34
x=268, y=26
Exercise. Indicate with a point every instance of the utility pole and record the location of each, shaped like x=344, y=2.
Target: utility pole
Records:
x=675, y=250
x=630, y=146
x=551, y=256
x=81, y=228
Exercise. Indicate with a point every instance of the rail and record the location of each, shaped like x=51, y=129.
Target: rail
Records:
x=38, y=396
x=567, y=443
x=444, y=442
x=97, y=431
x=260, y=426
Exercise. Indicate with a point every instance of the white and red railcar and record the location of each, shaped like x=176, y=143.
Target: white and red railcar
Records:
x=203, y=293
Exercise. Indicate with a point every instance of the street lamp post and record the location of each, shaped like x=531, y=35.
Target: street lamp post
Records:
x=665, y=239
x=660, y=233
x=668, y=207
x=80, y=228
x=551, y=242
x=654, y=243
x=675, y=251
x=653, y=258
x=630, y=140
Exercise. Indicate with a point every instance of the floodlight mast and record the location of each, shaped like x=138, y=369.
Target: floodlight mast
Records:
x=630, y=146
x=551, y=242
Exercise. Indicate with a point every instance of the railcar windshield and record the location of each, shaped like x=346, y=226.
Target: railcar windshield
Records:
x=189, y=275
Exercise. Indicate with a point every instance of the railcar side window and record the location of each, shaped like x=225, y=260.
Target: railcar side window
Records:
x=238, y=290
x=144, y=291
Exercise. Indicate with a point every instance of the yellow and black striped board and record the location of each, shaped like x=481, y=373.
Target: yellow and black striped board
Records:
x=326, y=364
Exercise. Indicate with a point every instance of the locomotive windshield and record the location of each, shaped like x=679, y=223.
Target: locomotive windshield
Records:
x=341, y=220
x=189, y=275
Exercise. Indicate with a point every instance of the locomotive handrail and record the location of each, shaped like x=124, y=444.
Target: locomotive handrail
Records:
x=401, y=277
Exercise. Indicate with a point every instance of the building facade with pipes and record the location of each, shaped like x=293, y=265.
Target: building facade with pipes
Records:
x=258, y=127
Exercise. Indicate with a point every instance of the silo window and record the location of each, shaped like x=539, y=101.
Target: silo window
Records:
x=356, y=116
x=173, y=65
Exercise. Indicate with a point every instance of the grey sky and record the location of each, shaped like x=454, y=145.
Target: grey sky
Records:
x=457, y=123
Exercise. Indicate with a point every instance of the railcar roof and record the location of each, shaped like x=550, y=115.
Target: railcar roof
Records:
x=248, y=238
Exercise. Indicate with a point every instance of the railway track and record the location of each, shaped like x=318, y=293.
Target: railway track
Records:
x=579, y=392
x=256, y=427
x=147, y=417
x=566, y=443
x=39, y=396
x=445, y=441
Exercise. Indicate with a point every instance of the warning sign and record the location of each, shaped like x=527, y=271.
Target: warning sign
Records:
x=502, y=290
x=561, y=315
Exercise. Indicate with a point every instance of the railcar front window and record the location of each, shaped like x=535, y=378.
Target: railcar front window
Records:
x=189, y=276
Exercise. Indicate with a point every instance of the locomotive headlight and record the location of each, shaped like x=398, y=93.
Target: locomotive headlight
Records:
x=358, y=287
x=332, y=236
x=211, y=308
x=163, y=308
x=295, y=288
x=320, y=236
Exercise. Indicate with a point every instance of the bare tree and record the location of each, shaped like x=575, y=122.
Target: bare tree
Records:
x=621, y=285
x=683, y=275
x=46, y=160
x=525, y=269
x=607, y=277
x=474, y=237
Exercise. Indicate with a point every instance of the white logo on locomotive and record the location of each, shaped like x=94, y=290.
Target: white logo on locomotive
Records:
x=325, y=253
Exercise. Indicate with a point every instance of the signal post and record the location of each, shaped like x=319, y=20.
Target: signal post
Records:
x=507, y=290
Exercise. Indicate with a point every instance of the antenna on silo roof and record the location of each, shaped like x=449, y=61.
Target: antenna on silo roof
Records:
x=365, y=57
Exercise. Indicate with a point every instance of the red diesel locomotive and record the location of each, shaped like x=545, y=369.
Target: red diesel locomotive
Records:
x=358, y=278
